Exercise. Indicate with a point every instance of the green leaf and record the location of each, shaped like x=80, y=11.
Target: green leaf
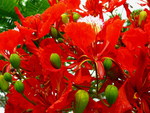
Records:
x=28, y=8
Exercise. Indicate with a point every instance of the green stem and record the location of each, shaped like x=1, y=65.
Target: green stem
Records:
x=66, y=78
x=21, y=75
x=100, y=97
x=28, y=99
x=96, y=80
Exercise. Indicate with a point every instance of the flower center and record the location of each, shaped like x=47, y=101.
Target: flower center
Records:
x=95, y=22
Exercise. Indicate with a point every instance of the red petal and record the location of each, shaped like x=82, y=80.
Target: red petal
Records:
x=72, y=4
x=93, y=107
x=51, y=15
x=52, y=2
x=145, y=106
x=21, y=17
x=113, y=30
x=44, y=56
x=9, y=40
x=81, y=34
x=115, y=3
x=126, y=60
x=82, y=76
x=61, y=102
x=100, y=69
x=35, y=68
x=134, y=38
x=122, y=104
x=2, y=64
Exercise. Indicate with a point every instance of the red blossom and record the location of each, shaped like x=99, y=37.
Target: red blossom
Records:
x=138, y=85
x=94, y=7
x=113, y=4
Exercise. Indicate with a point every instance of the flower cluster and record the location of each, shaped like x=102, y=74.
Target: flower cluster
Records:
x=71, y=60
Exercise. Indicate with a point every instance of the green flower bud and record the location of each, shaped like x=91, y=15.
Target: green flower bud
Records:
x=107, y=63
x=55, y=60
x=64, y=18
x=54, y=32
x=29, y=110
x=111, y=93
x=15, y=60
x=117, y=46
x=76, y=16
x=60, y=40
x=4, y=85
x=19, y=86
x=142, y=17
x=81, y=101
x=7, y=77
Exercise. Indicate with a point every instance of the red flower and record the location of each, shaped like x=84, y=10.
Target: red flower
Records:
x=41, y=23
x=89, y=42
x=113, y=4
x=40, y=99
x=16, y=102
x=138, y=86
x=94, y=7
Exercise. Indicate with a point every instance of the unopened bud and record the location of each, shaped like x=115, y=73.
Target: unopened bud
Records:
x=81, y=101
x=19, y=86
x=142, y=17
x=54, y=32
x=76, y=16
x=60, y=40
x=111, y=93
x=107, y=63
x=55, y=60
x=64, y=18
x=15, y=60
x=7, y=77
x=4, y=85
